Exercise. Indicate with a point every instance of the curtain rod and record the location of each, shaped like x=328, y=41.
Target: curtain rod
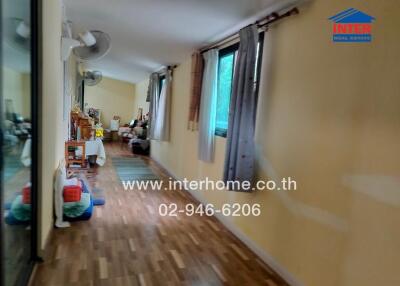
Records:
x=262, y=25
x=164, y=68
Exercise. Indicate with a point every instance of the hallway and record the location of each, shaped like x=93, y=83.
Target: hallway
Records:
x=126, y=242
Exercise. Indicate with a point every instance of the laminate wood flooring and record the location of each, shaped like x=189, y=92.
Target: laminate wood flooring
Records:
x=126, y=242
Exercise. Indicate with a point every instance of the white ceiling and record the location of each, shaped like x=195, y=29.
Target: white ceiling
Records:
x=147, y=34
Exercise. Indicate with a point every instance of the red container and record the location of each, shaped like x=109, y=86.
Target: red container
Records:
x=72, y=194
x=26, y=195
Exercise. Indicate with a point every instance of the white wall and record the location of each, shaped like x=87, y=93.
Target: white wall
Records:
x=52, y=125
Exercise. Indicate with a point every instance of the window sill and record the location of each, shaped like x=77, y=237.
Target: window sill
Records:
x=221, y=132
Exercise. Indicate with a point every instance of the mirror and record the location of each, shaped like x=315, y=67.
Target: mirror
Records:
x=16, y=129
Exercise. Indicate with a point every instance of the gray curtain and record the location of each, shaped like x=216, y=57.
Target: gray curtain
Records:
x=153, y=94
x=239, y=159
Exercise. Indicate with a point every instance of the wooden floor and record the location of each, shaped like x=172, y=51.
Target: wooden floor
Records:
x=126, y=242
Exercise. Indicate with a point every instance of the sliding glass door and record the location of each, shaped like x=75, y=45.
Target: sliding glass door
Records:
x=18, y=138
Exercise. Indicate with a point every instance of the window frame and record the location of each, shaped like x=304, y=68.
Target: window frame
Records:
x=161, y=79
x=222, y=53
x=232, y=49
x=259, y=62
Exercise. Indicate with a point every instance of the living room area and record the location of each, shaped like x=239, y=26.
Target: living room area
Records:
x=117, y=110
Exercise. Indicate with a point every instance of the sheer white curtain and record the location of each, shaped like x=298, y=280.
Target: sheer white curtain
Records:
x=208, y=107
x=162, y=123
x=153, y=95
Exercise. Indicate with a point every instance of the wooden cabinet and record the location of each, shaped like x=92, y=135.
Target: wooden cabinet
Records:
x=86, y=128
x=84, y=124
x=70, y=153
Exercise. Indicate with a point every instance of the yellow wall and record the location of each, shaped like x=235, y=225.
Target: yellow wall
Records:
x=17, y=87
x=140, y=97
x=328, y=117
x=112, y=97
x=52, y=125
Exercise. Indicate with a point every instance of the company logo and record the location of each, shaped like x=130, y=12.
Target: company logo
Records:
x=352, y=25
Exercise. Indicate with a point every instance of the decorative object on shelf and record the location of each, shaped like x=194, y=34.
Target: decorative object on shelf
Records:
x=76, y=109
x=99, y=130
x=140, y=114
x=95, y=114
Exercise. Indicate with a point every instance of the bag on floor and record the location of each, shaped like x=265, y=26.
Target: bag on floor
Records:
x=72, y=193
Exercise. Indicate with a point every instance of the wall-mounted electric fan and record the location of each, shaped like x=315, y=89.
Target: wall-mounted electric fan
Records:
x=18, y=34
x=92, y=45
x=92, y=78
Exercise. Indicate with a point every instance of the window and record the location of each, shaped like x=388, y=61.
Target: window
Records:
x=161, y=83
x=226, y=68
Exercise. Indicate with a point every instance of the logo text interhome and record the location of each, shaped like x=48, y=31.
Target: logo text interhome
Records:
x=352, y=25
x=286, y=184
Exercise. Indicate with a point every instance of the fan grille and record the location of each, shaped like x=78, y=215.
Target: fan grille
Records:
x=11, y=36
x=92, y=77
x=97, y=51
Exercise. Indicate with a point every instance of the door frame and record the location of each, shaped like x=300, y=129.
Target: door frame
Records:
x=36, y=88
x=35, y=14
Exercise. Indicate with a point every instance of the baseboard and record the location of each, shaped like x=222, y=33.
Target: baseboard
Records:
x=265, y=256
x=43, y=253
x=33, y=275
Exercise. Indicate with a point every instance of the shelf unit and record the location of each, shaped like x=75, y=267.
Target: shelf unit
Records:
x=74, y=160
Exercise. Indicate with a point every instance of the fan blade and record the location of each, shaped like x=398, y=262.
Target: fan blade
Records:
x=97, y=51
x=16, y=34
x=87, y=38
x=92, y=77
